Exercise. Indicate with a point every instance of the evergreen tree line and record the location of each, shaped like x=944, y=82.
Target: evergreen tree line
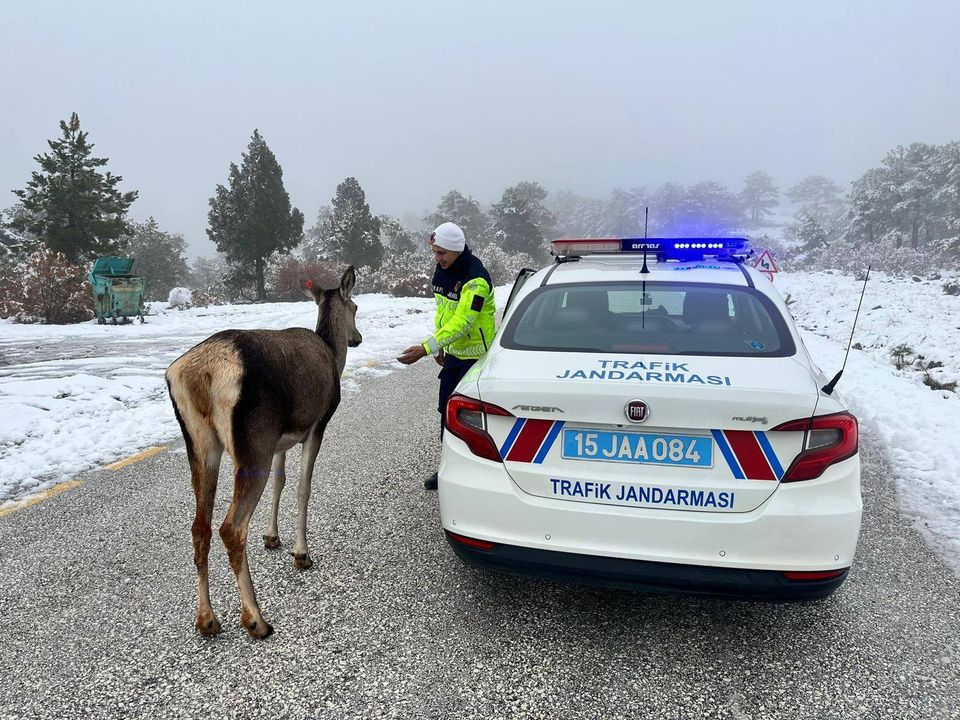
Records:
x=901, y=217
x=906, y=210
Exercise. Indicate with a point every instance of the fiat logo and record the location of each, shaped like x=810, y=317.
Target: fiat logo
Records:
x=636, y=411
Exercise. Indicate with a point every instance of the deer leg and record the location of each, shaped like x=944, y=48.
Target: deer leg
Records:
x=249, y=482
x=271, y=538
x=205, y=468
x=311, y=446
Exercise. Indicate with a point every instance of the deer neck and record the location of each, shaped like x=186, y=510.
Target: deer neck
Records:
x=333, y=331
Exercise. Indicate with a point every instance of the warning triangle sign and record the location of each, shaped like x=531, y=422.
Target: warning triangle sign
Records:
x=766, y=265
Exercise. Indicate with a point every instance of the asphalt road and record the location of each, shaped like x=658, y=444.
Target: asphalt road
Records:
x=97, y=596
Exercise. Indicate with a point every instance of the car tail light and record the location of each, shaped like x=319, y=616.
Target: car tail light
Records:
x=828, y=440
x=466, y=418
x=813, y=575
x=471, y=542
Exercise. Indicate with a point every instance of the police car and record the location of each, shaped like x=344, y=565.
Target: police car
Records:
x=649, y=417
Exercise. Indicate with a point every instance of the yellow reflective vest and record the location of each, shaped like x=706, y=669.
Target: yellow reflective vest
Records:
x=466, y=310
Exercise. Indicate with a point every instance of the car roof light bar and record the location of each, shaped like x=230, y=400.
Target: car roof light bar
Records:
x=661, y=248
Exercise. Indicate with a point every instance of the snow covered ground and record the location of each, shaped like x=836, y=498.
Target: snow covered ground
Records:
x=917, y=425
x=74, y=397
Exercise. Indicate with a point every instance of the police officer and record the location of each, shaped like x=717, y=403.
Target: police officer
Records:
x=465, y=315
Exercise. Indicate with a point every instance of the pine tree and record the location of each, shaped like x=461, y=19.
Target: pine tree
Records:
x=624, y=213
x=352, y=232
x=666, y=210
x=14, y=241
x=709, y=209
x=316, y=245
x=159, y=258
x=207, y=274
x=870, y=202
x=576, y=216
x=238, y=281
x=948, y=201
x=821, y=199
x=251, y=218
x=816, y=193
x=69, y=205
x=464, y=211
x=521, y=222
x=912, y=199
x=759, y=196
x=396, y=237
x=810, y=233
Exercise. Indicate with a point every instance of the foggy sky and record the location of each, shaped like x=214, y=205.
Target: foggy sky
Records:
x=416, y=98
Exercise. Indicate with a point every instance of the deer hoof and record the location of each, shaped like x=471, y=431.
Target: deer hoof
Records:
x=271, y=542
x=207, y=624
x=259, y=629
x=302, y=561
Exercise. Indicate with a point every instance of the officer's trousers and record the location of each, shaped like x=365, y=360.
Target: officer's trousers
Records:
x=451, y=374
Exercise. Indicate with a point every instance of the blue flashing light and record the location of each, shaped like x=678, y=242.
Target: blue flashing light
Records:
x=688, y=248
x=680, y=246
x=683, y=249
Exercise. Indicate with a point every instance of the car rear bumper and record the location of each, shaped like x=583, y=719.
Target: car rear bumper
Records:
x=643, y=575
x=810, y=526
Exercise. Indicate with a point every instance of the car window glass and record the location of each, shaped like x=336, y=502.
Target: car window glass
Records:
x=662, y=318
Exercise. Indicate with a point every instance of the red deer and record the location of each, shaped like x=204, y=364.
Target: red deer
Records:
x=257, y=393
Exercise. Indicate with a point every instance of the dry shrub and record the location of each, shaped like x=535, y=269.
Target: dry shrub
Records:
x=400, y=275
x=46, y=288
x=11, y=294
x=11, y=289
x=411, y=274
x=898, y=262
x=287, y=273
x=202, y=298
x=413, y=284
x=503, y=266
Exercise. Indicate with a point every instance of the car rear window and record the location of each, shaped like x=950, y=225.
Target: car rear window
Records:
x=660, y=318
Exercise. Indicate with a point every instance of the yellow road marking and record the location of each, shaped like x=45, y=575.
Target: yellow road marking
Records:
x=149, y=452
x=40, y=496
x=70, y=484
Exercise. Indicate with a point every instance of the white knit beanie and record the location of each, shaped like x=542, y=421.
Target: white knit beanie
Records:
x=449, y=237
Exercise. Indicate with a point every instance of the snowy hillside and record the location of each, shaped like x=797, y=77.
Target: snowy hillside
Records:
x=75, y=397
x=915, y=423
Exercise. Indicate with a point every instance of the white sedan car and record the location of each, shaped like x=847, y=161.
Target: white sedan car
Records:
x=649, y=417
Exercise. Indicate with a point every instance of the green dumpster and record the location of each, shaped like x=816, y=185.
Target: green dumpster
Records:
x=117, y=293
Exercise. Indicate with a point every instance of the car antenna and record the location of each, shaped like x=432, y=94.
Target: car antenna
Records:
x=644, y=270
x=828, y=388
x=646, y=216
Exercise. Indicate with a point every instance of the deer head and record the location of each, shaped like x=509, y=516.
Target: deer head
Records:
x=337, y=313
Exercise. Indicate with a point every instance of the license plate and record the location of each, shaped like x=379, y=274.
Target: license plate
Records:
x=644, y=448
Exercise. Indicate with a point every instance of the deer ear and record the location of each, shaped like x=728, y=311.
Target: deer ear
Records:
x=347, y=282
x=311, y=290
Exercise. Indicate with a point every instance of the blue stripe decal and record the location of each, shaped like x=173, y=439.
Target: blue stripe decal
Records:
x=548, y=442
x=512, y=437
x=728, y=454
x=771, y=455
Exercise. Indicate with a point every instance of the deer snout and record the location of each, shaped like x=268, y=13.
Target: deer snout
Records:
x=355, y=340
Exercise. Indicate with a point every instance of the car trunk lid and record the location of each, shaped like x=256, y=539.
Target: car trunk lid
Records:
x=703, y=443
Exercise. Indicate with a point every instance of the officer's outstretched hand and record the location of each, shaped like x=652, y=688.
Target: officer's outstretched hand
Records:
x=412, y=354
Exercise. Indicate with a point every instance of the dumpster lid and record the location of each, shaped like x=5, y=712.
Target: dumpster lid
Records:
x=112, y=266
